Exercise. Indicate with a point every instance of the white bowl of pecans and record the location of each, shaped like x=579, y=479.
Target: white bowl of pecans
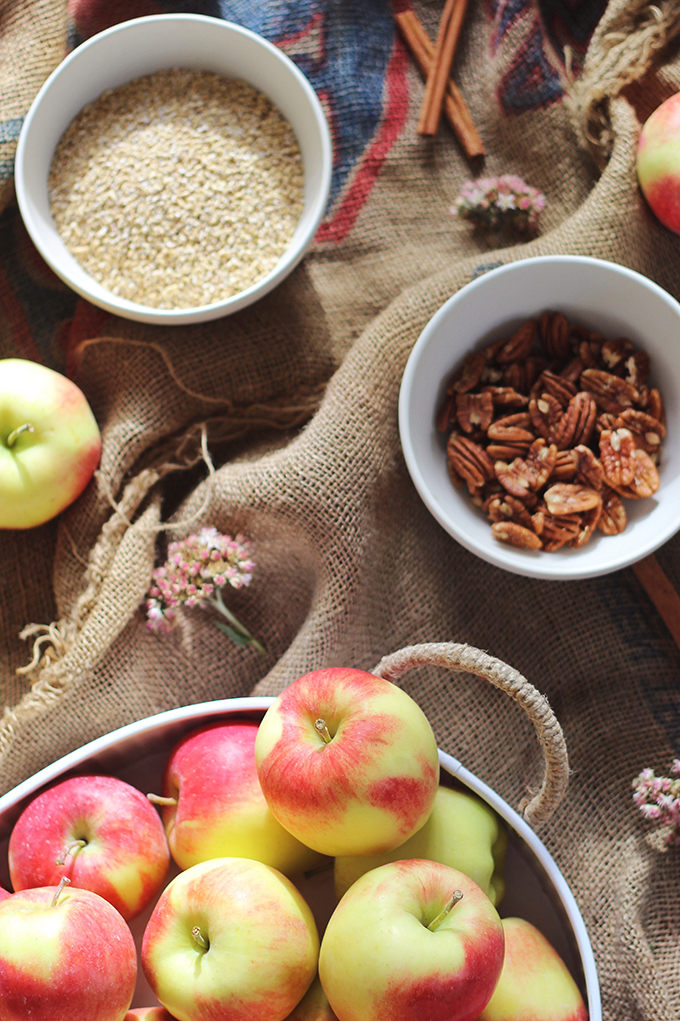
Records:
x=174, y=168
x=538, y=416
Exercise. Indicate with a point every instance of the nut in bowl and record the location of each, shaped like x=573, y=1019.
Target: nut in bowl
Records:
x=174, y=168
x=576, y=342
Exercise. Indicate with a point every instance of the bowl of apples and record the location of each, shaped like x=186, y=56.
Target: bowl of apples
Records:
x=313, y=856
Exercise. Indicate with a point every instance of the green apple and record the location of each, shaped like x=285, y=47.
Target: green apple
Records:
x=213, y=806
x=535, y=983
x=411, y=940
x=348, y=762
x=65, y=954
x=462, y=831
x=233, y=938
x=50, y=443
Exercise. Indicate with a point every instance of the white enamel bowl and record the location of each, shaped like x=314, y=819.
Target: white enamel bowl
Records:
x=536, y=889
x=593, y=293
x=143, y=46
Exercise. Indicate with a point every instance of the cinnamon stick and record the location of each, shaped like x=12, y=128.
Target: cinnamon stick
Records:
x=455, y=108
x=445, y=46
x=660, y=590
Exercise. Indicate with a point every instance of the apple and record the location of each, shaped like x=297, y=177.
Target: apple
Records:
x=535, y=982
x=214, y=806
x=4, y=894
x=230, y=937
x=313, y=1006
x=348, y=762
x=658, y=162
x=462, y=831
x=64, y=954
x=50, y=443
x=410, y=940
x=149, y=1014
x=100, y=832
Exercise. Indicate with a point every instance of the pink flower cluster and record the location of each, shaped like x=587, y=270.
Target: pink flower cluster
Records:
x=495, y=201
x=196, y=569
x=658, y=798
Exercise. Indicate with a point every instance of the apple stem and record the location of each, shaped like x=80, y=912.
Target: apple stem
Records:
x=453, y=899
x=75, y=846
x=199, y=939
x=64, y=881
x=15, y=433
x=321, y=728
x=157, y=799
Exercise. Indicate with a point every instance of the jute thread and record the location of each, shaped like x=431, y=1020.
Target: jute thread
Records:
x=628, y=39
x=461, y=657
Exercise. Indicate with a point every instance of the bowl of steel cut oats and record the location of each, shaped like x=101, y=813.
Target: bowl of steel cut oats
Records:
x=174, y=168
x=539, y=416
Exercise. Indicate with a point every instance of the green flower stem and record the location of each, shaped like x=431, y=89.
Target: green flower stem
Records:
x=237, y=631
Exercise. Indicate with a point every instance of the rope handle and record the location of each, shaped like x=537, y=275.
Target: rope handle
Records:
x=453, y=656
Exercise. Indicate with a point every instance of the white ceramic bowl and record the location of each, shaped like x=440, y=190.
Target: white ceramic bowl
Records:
x=600, y=295
x=536, y=889
x=143, y=46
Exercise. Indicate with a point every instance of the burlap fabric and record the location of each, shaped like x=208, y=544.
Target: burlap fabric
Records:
x=281, y=422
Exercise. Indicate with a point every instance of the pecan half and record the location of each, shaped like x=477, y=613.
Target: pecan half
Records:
x=514, y=477
x=512, y=429
x=654, y=406
x=637, y=369
x=506, y=397
x=589, y=471
x=545, y=412
x=612, y=393
x=564, y=468
x=614, y=352
x=519, y=344
x=586, y=406
x=589, y=522
x=646, y=479
x=516, y=535
x=468, y=375
x=647, y=432
x=570, y=498
x=555, y=530
x=613, y=518
x=507, y=508
x=474, y=411
x=555, y=334
x=470, y=461
x=617, y=454
x=562, y=389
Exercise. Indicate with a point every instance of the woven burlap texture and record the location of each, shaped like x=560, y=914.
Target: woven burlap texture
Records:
x=281, y=422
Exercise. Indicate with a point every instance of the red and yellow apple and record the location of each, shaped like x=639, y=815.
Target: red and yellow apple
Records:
x=214, y=806
x=230, y=937
x=99, y=832
x=410, y=940
x=658, y=162
x=348, y=762
x=462, y=831
x=535, y=982
x=149, y=1014
x=50, y=443
x=4, y=894
x=64, y=954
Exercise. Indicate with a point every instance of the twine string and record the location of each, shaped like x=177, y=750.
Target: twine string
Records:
x=452, y=656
